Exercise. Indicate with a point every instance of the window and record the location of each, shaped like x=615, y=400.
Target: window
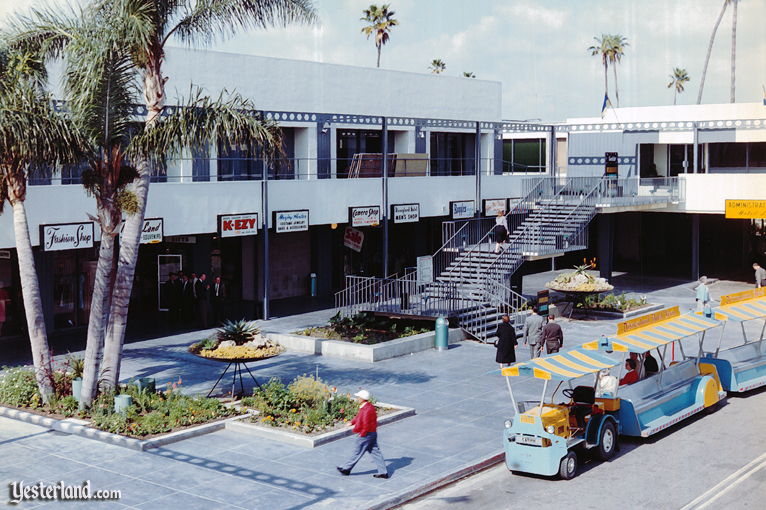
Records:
x=757, y=156
x=727, y=155
x=524, y=155
x=452, y=153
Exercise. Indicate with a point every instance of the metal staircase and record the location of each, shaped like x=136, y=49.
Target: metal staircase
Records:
x=470, y=281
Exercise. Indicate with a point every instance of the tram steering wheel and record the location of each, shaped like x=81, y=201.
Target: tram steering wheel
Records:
x=567, y=392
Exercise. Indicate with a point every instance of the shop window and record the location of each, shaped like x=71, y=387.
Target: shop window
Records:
x=757, y=156
x=727, y=155
x=524, y=155
x=452, y=153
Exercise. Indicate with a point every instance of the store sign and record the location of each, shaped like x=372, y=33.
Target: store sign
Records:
x=236, y=225
x=151, y=233
x=746, y=209
x=462, y=209
x=66, y=236
x=493, y=206
x=368, y=216
x=611, y=166
x=353, y=238
x=291, y=221
x=425, y=269
x=181, y=239
x=5, y=254
x=405, y=213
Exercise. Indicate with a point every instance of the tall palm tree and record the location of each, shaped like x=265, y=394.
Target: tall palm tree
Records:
x=603, y=49
x=380, y=21
x=437, y=66
x=734, y=4
x=32, y=134
x=677, y=80
x=145, y=27
x=617, y=44
x=710, y=49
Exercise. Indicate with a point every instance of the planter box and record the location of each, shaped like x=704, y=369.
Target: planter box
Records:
x=82, y=428
x=361, y=352
x=297, y=439
x=621, y=315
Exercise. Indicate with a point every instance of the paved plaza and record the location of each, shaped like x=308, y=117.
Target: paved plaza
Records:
x=461, y=404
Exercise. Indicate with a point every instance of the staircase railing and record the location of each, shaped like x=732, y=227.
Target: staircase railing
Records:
x=500, y=298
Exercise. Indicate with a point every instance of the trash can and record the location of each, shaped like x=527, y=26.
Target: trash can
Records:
x=313, y=285
x=442, y=334
x=122, y=403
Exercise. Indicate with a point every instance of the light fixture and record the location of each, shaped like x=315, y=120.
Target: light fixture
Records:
x=325, y=127
x=333, y=226
x=421, y=133
x=499, y=135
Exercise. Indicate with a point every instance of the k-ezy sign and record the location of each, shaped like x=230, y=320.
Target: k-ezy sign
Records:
x=67, y=236
x=234, y=225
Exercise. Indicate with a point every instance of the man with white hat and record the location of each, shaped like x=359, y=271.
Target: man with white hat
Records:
x=365, y=424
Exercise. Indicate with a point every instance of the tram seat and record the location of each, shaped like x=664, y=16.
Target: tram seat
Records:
x=745, y=357
x=656, y=390
x=583, y=399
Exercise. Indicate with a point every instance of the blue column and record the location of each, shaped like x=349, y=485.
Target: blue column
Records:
x=324, y=151
x=695, y=247
x=605, y=247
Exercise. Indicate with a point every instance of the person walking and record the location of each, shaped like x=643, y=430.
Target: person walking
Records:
x=702, y=294
x=553, y=337
x=760, y=275
x=366, y=425
x=501, y=231
x=533, y=333
x=505, y=343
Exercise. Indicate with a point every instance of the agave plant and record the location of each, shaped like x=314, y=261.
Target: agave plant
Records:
x=241, y=331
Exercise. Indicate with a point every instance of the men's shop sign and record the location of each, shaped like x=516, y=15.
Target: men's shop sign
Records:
x=406, y=213
x=368, y=216
x=291, y=221
x=151, y=233
x=462, y=209
x=66, y=236
x=353, y=238
x=236, y=225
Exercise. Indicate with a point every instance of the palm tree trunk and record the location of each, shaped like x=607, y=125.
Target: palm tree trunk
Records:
x=675, y=94
x=97, y=321
x=33, y=306
x=616, y=89
x=709, y=50
x=606, y=80
x=733, y=48
x=154, y=95
x=379, y=48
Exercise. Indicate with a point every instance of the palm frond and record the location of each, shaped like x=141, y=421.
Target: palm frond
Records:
x=208, y=19
x=44, y=33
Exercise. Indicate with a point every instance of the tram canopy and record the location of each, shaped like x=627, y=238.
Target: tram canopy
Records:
x=742, y=306
x=564, y=366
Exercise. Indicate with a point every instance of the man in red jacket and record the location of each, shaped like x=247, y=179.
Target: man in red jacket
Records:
x=366, y=425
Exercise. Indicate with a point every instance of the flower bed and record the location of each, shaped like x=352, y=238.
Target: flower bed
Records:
x=239, y=340
x=613, y=303
x=363, y=329
x=307, y=405
x=579, y=281
x=151, y=413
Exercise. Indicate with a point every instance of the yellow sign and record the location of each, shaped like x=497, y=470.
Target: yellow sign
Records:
x=746, y=209
x=743, y=296
x=647, y=320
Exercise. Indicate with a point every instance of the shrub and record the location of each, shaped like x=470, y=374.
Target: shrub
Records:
x=309, y=391
x=18, y=388
x=240, y=332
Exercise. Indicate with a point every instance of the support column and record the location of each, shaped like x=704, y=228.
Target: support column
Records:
x=605, y=247
x=477, y=169
x=384, y=201
x=265, y=203
x=695, y=247
x=695, y=156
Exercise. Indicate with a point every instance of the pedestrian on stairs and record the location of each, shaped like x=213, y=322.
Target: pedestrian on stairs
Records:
x=501, y=231
x=553, y=337
x=505, y=343
x=533, y=333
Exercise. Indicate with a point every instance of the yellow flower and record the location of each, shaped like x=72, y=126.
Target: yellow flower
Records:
x=292, y=410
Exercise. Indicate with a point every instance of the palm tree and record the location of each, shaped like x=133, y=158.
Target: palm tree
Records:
x=380, y=21
x=677, y=80
x=617, y=44
x=32, y=135
x=145, y=27
x=468, y=74
x=602, y=48
x=734, y=4
x=710, y=49
x=437, y=66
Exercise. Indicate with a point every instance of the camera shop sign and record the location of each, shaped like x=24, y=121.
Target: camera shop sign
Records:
x=291, y=221
x=236, y=225
x=367, y=216
x=151, y=233
x=406, y=213
x=66, y=236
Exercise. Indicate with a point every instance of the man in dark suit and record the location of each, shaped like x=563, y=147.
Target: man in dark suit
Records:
x=173, y=298
x=201, y=291
x=187, y=299
x=218, y=294
x=505, y=343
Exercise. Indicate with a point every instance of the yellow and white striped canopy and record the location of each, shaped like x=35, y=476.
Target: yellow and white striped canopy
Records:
x=742, y=306
x=561, y=367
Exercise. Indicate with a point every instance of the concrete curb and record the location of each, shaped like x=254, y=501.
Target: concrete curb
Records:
x=305, y=441
x=621, y=315
x=412, y=493
x=81, y=428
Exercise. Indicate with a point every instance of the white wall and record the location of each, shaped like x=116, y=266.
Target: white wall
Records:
x=678, y=113
x=707, y=193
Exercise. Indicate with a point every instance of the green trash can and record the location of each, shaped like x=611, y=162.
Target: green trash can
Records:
x=442, y=334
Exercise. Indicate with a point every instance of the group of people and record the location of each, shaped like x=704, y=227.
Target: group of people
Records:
x=538, y=333
x=193, y=298
x=639, y=366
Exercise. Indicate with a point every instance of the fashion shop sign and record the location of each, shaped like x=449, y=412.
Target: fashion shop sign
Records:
x=236, y=225
x=291, y=221
x=151, y=233
x=406, y=213
x=66, y=236
x=367, y=216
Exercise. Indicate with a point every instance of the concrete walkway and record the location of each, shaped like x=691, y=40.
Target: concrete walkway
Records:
x=461, y=406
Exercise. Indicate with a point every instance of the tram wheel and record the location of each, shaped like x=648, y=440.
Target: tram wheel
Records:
x=607, y=444
x=568, y=466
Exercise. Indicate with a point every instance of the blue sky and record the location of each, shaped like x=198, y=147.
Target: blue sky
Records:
x=537, y=48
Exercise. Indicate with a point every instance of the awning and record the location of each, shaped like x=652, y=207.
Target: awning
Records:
x=562, y=366
x=657, y=334
x=742, y=306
